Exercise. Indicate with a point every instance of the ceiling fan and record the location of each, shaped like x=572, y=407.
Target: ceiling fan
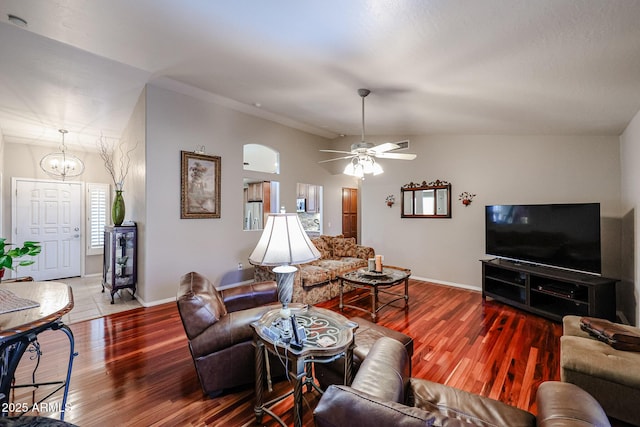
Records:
x=362, y=153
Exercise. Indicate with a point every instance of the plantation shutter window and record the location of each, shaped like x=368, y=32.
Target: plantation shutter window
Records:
x=97, y=210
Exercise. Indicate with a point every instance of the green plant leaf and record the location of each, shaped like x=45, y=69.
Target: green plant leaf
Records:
x=29, y=248
x=25, y=263
x=6, y=261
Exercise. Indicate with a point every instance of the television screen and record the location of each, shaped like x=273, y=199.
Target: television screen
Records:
x=557, y=235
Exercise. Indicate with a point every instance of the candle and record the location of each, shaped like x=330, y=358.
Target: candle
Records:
x=372, y=264
x=379, y=263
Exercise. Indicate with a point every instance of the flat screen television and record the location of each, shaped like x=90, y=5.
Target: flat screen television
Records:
x=556, y=235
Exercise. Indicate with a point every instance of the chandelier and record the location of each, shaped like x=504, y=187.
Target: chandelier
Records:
x=61, y=164
x=361, y=165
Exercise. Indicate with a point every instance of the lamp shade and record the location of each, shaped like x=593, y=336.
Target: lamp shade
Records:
x=283, y=241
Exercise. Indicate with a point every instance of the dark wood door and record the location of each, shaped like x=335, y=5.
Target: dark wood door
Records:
x=350, y=212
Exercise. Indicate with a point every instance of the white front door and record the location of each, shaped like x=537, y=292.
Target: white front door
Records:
x=49, y=212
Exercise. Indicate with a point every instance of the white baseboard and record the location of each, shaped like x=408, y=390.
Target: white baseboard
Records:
x=440, y=282
x=443, y=282
x=154, y=303
x=233, y=285
x=173, y=299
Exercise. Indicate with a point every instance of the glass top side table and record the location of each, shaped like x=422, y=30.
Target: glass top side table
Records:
x=329, y=336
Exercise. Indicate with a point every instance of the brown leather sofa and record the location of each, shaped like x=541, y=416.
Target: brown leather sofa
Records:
x=217, y=325
x=383, y=394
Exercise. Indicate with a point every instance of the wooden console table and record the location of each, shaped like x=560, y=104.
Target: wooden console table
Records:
x=20, y=329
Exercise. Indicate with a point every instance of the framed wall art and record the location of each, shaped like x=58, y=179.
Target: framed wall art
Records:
x=200, y=185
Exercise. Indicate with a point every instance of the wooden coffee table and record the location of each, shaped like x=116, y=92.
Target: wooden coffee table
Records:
x=377, y=283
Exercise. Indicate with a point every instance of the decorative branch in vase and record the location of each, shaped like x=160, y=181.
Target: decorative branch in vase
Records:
x=108, y=155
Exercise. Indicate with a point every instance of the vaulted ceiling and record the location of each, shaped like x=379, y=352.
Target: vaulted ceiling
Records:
x=446, y=66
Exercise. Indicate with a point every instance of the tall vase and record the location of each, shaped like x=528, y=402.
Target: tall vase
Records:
x=117, y=210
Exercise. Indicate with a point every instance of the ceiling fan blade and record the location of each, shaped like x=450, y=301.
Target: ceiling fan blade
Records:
x=396, y=156
x=387, y=146
x=338, y=158
x=336, y=151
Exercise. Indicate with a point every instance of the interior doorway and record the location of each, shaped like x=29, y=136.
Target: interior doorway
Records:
x=350, y=212
x=49, y=212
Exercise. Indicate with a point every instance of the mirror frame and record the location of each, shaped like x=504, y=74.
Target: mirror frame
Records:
x=435, y=186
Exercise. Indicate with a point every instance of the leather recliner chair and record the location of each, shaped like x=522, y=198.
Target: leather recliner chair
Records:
x=218, y=327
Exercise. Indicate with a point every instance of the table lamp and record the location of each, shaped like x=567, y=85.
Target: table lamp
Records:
x=284, y=243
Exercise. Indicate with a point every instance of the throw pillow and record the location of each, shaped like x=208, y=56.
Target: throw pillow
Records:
x=344, y=247
x=322, y=246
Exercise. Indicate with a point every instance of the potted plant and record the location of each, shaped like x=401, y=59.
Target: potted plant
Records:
x=7, y=256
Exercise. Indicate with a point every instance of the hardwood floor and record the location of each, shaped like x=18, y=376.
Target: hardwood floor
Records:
x=134, y=368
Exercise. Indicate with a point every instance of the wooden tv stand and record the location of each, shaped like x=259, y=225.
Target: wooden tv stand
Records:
x=547, y=291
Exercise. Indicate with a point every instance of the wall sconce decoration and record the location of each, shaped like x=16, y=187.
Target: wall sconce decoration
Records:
x=466, y=198
x=391, y=199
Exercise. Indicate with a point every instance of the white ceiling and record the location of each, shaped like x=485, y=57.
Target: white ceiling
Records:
x=446, y=66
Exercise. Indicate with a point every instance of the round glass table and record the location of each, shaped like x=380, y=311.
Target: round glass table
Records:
x=324, y=336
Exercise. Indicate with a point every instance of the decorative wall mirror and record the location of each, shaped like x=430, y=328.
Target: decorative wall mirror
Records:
x=426, y=200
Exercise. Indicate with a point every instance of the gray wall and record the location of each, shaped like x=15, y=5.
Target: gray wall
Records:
x=499, y=170
x=214, y=247
x=630, y=159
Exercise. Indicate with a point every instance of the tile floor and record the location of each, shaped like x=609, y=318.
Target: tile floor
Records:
x=91, y=303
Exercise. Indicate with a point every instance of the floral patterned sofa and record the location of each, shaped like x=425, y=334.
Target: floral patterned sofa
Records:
x=317, y=281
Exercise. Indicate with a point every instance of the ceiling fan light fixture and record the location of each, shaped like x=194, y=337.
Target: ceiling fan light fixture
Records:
x=61, y=164
x=362, y=154
x=377, y=169
x=362, y=165
x=349, y=169
x=367, y=165
x=359, y=172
